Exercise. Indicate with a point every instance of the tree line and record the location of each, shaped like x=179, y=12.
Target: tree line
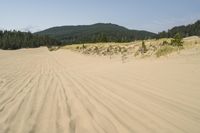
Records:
x=184, y=31
x=16, y=40
x=87, y=34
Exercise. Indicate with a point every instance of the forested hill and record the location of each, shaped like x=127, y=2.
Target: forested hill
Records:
x=99, y=32
x=185, y=31
x=16, y=40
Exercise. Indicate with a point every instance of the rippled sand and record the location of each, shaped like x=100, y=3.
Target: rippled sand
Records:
x=65, y=92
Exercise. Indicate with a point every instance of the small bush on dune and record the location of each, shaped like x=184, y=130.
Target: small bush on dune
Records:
x=177, y=40
x=167, y=48
x=164, y=43
x=124, y=54
x=83, y=46
x=110, y=51
x=144, y=48
x=164, y=50
x=53, y=48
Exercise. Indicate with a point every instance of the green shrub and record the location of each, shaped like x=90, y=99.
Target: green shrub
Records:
x=166, y=50
x=177, y=40
x=52, y=48
x=144, y=48
x=83, y=46
x=165, y=43
x=77, y=47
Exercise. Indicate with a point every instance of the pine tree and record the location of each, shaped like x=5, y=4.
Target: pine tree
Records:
x=177, y=40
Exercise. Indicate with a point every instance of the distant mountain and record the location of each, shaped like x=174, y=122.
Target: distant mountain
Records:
x=99, y=32
x=185, y=31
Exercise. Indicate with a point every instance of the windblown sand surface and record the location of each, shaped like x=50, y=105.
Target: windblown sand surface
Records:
x=65, y=92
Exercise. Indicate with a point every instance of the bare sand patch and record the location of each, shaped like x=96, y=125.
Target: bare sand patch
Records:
x=67, y=92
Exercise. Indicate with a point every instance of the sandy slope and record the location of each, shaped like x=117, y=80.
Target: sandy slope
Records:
x=64, y=92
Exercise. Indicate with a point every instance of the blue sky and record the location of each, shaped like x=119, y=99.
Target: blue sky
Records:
x=151, y=15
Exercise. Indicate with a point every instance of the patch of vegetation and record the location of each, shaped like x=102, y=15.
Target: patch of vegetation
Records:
x=139, y=49
x=144, y=48
x=124, y=56
x=83, y=46
x=177, y=40
x=53, y=48
x=164, y=43
x=165, y=50
x=110, y=51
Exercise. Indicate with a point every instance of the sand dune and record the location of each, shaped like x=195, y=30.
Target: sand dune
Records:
x=66, y=92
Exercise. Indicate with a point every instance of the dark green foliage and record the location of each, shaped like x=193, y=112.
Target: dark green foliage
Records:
x=184, y=31
x=17, y=40
x=165, y=43
x=177, y=40
x=95, y=33
x=144, y=48
x=83, y=46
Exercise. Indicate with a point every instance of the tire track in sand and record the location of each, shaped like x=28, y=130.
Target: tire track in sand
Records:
x=64, y=92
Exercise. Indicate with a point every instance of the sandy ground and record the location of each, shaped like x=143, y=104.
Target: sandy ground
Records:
x=65, y=92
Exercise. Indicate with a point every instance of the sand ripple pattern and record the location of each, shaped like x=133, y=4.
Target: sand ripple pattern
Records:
x=64, y=92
